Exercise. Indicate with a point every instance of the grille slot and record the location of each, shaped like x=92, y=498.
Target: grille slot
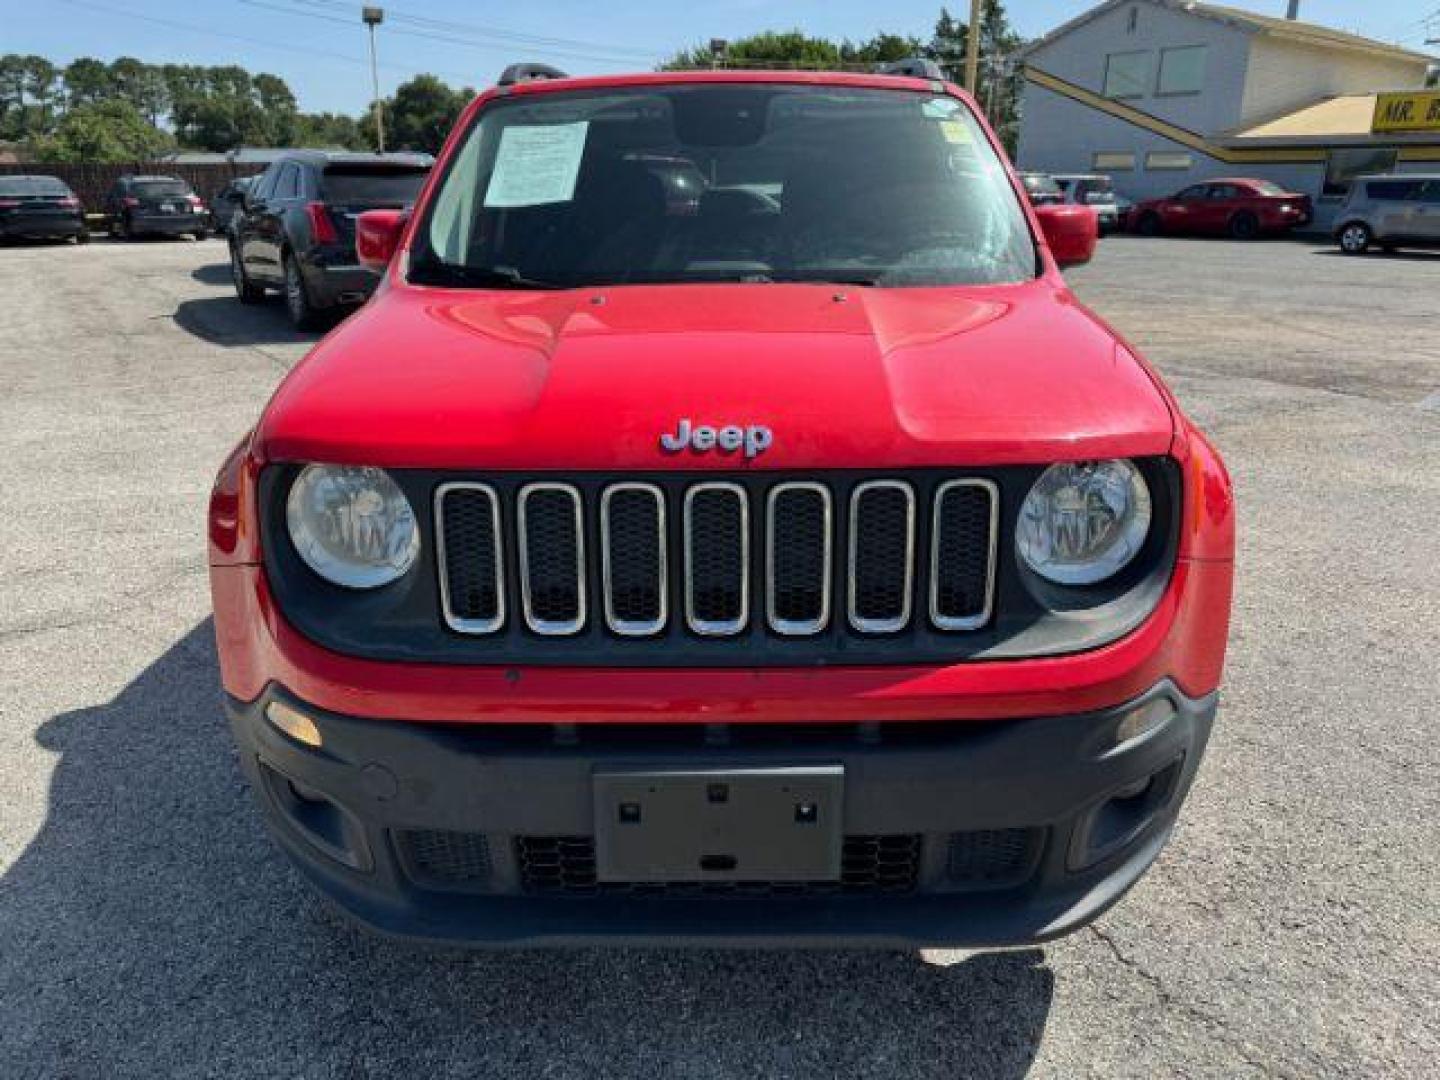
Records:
x=962, y=554
x=632, y=532
x=798, y=542
x=882, y=556
x=552, y=558
x=717, y=559
x=869, y=864
x=443, y=859
x=992, y=858
x=472, y=593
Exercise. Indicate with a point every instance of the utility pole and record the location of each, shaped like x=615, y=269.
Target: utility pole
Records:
x=972, y=47
x=373, y=17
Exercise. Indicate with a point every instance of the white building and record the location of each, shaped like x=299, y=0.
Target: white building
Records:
x=1161, y=93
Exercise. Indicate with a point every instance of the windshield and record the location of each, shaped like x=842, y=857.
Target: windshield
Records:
x=32, y=185
x=150, y=189
x=755, y=183
x=371, y=185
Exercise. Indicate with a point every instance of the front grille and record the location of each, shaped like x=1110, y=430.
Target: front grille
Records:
x=992, y=858
x=439, y=858
x=794, y=559
x=869, y=864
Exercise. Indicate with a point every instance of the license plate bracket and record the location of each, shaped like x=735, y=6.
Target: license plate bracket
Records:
x=765, y=824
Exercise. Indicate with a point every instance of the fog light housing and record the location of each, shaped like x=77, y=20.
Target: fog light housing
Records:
x=1143, y=720
x=293, y=723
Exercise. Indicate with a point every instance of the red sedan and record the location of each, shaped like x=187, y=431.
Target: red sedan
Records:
x=1242, y=209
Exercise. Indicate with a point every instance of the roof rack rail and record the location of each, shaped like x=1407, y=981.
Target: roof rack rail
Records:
x=518, y=73
x=916, y=67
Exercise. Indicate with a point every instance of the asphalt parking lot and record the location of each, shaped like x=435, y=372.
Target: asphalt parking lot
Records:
x=147, y=927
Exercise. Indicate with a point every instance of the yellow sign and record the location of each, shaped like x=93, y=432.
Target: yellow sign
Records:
x=1417, y=110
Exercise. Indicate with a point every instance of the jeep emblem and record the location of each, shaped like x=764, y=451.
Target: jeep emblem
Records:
x=754, y=439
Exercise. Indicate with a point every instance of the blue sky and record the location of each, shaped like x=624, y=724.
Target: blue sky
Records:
x=319, y=47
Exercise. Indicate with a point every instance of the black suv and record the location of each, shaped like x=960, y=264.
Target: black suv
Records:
x=40, y=206
x=164, y=205
x=297, y=229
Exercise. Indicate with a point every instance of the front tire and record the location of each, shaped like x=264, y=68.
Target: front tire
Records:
x=303, y=315
x=1355, y=238
x=245, y=290
x=1244, y=226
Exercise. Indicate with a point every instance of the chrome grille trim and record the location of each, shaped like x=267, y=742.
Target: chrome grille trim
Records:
x=551, y=627
x=902, y=618
x=630, y=627
x=791, y=627
x=455, y=622
x=971, y=622
x=714, y=627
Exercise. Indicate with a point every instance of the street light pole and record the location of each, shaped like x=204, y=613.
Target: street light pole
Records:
x=373, y=17
x=972, y=48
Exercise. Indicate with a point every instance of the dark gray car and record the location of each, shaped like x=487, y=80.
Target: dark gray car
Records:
x=1396, y=210
x=296, y=232
x=155, y=205
x=40, y=207
x=228, y=203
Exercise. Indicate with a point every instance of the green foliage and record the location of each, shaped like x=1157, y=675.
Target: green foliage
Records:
x=421, y=114
x=111, y=130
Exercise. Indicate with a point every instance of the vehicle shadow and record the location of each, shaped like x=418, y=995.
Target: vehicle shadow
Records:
x=1407, y=255
x=212, y=273
x=223, y=320
x=150, y=928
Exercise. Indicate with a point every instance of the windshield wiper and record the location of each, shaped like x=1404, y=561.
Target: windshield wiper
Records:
x=482, y=277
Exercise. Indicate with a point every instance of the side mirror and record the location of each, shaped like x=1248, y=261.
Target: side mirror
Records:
x=1071, y=230
x=377, y=236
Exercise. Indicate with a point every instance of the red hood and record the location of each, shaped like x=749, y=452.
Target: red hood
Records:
x=590, y=379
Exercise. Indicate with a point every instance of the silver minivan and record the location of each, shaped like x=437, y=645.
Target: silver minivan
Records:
x=1390, y=211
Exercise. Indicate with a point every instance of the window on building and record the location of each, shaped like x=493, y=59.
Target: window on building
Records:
x=1182, y=70
x=1168, y=161
x=1127, y=74
x=1342, y=166
x=1108, y=161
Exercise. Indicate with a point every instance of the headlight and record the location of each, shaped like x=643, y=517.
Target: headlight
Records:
x=352, y=526
x=1081, y=523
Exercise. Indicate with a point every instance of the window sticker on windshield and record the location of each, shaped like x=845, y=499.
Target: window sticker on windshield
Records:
x=955, y=132
x=941, y=108
x=537, y=165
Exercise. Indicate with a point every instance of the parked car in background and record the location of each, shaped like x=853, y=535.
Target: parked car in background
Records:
x=40, y=207
x=296, y=232
x=155, y=205
x=1240, y=208
x=229, y=201
x=1090, y=189
x=1390, y=212
x=1042, y=188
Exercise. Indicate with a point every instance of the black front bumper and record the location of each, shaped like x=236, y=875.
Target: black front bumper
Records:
x=962, y=835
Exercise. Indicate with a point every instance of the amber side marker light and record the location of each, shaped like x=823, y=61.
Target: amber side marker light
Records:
x=294, y=723
x=1143, y=720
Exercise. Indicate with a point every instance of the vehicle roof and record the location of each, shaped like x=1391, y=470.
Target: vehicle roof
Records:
x=29, y=176
x=142, y=178
x=729, y=75
x=355, y=157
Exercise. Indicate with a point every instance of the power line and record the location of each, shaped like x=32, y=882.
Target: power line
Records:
x=176, y=24
x=491, y=35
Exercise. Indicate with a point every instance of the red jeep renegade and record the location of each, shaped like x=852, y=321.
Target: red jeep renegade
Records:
x=723, y=526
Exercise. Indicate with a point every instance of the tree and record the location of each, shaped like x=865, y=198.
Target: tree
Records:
x=767, y=49
x=27, y=96
x=87, y=81
x=421, y=114
x=143, y=85
x=108, y=131
x=329, y=131
x=277, y=103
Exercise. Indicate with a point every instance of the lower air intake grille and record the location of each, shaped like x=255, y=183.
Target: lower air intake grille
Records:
x=992, y=858
x=444, y=859
x=869, y=864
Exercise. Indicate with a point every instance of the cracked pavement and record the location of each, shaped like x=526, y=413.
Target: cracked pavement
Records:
x=148, y=928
